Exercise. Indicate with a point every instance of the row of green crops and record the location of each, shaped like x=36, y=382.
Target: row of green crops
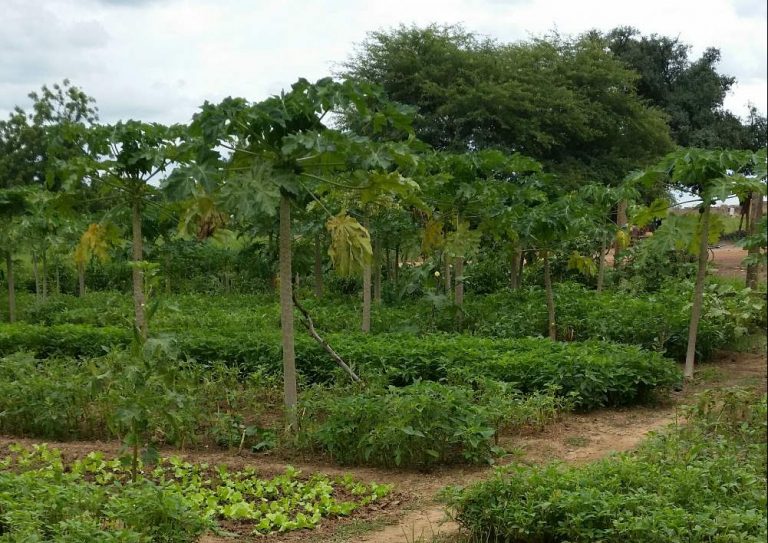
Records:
x=657, y=321
x=702, y=482
x=601, y=373
x=185, y=404
x=421, y=425
x=95, y=499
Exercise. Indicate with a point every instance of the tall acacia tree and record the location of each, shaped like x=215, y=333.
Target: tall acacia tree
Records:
x=271, y=155
x=568, y=103
x=711, y=176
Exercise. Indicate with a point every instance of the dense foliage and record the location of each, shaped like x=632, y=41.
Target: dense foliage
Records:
x=423, y=424
x=700, y=482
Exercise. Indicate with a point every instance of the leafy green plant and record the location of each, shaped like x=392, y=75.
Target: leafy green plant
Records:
x=96, y=499
x=701, y=482
x=417, y=426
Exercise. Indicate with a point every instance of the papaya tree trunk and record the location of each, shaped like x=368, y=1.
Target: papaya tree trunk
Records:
x=286, y=314
x=81, y=278
x=601, y=265
x=137, y=274
x=756, y=211
x=44, y=262
x=377, y=272
x=366, y=327
x=447, y=274
x=516, y=268
x=551, y=323
x=36, y=273
x=459, y=281
x=396, y=268
x=11, y=287
x=621, y=221
x=318, y=271
x=698, y=293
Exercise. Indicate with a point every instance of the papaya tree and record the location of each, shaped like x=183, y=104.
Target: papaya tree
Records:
x=124, y=158
x=709, y=175
x=273, y=155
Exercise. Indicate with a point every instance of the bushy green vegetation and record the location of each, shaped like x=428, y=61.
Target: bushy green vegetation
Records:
x=237, y=329
x=423, y=424
x=94, y=499
x=99, y=398
x=601, y=373
x=656, y=321
x=700, y=482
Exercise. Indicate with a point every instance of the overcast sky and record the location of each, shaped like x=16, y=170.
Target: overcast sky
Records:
x=158, y=60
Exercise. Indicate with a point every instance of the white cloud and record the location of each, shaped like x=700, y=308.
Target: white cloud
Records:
x=158, y=60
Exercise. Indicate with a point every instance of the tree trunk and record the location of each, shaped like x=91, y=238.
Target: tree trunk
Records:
x=377, y=272
x=621, y=222
x=447, y=274
x=756, y=212
x=459, y=281
x=396, y=269
x=81, y=279
x=698, y=293
x=286, y=314
x=44, y=262
x=601, y=265
x=366, y=327
x=137, y=274
x=551, y=325
x=318, y=266
x=36, y=273
x=11, y=288
x=516, y=268
x=748, y=213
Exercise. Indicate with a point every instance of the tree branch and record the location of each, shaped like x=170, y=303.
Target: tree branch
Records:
x=309, y=325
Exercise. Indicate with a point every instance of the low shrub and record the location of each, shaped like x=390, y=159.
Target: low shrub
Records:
x=419, y=426
x=701, y=482
x=61, y=340
x=61, y=398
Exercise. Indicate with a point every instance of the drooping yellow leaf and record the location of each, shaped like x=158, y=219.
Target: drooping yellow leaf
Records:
x=583, y=264
x=622, y=239
x=433, y=236
x=94, y=243
x=350, y=248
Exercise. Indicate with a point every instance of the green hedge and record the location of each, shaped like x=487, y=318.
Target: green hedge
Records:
x=702, y=483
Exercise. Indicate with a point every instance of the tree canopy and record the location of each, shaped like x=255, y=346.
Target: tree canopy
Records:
x=565, y=102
